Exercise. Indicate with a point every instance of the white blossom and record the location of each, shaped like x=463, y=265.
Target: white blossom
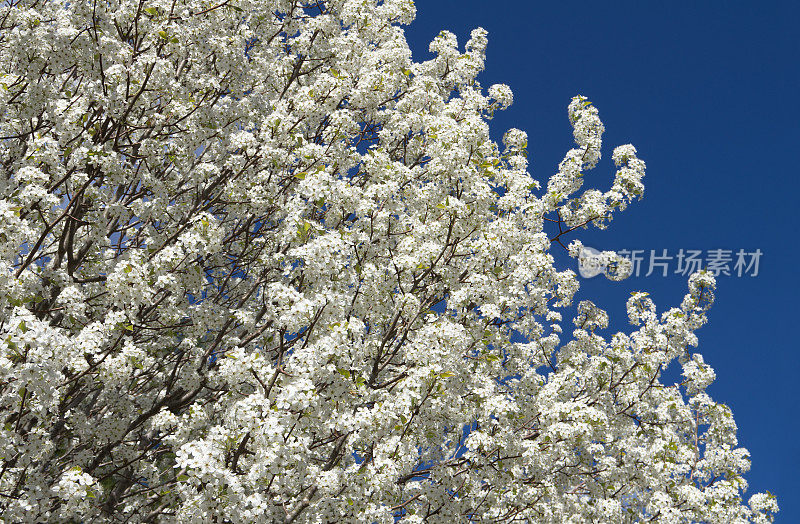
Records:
x=259, y=265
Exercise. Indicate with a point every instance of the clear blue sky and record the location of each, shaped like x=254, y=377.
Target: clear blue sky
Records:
x=707, y=93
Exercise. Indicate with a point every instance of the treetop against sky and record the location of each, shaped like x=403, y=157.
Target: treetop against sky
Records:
x=263, y=266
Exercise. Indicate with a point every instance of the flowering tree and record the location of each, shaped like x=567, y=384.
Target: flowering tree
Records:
x=260, y=266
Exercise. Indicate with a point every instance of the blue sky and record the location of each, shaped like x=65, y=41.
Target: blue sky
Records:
x=706, y=92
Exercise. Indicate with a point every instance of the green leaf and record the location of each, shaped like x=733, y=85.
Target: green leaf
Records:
x=126, y=326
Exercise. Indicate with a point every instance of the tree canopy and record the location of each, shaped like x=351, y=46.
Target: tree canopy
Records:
x=259, y=265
